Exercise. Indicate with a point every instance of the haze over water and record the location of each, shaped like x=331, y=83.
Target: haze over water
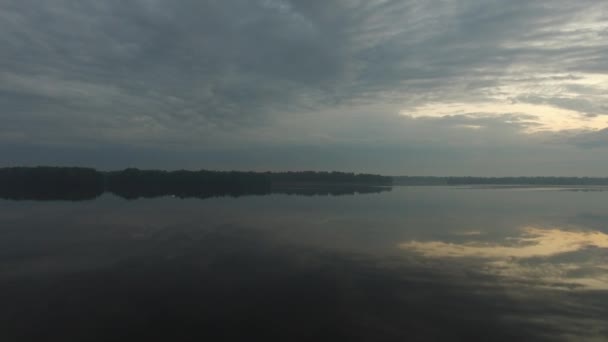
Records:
x=414, y=263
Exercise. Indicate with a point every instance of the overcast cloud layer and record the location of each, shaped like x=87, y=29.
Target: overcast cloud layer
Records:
x=441, y=87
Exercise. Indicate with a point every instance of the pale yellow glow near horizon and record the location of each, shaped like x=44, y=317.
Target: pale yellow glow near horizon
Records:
x=546, y=118
x=536, y=117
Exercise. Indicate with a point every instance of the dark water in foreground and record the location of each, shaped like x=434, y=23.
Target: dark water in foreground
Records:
x=415, y=264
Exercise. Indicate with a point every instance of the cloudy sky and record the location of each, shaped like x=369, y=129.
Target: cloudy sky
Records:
x=417, y=87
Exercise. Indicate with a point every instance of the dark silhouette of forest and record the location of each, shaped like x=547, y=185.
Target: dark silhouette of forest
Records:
x=134, y=183
x=50, y=183
x=71, y=183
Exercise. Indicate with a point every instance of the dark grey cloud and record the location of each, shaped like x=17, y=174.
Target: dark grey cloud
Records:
x=226, y=61
x=241, y=73
x=584, y=139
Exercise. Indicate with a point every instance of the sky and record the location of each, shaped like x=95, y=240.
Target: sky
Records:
x=408, y=87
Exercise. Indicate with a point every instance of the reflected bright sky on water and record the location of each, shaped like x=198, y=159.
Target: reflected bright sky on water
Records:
x=425, y=263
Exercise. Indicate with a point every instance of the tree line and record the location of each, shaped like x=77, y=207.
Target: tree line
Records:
x=73, y=183
x=48, y=183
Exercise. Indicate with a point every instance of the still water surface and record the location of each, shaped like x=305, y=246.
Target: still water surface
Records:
x=415, y=263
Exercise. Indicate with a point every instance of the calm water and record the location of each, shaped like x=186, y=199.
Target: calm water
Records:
x=416, y=263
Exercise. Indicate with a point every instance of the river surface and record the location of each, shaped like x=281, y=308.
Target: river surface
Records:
x=414, y=263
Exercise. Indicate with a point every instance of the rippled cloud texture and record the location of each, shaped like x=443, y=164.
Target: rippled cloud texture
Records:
x=400, y=87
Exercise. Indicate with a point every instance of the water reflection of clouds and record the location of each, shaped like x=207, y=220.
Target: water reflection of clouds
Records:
x=547, y=256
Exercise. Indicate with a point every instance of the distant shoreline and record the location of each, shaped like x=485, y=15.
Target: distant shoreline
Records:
x=501, y=181
x=74, y=183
